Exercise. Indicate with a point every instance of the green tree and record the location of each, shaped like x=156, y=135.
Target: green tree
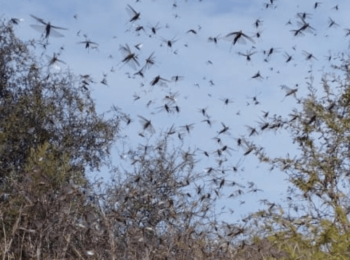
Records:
x=50, y=135
x=315, y=224
x=39, y=105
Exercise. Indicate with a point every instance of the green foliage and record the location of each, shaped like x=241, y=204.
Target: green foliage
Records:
x=315, y=225
x=41, y=207
x=50, y=134
x=41, y=106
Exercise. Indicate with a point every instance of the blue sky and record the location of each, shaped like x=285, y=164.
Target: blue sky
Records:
x=200, y=63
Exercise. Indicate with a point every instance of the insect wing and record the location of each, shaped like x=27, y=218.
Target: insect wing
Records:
x=131, y=61
x=125, y=50
x=134, y=15
x=55, y=33
x=131, y=11
x=42, y=29
x=39, y=19
x=38, y=28
x=248, y=38
x=57, y=27
x=150, y=61
x=129, y=57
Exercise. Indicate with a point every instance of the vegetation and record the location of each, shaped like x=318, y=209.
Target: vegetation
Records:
x=315, y=225
x=160, y=206
x=50, y=134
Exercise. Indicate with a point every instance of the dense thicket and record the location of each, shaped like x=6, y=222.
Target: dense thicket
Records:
x=50, y=135
x=159, y=206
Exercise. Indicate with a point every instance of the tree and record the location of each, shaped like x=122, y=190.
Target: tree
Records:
x=154, y=211
x=50, y=134
x=39, y=105
x=315, y=225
